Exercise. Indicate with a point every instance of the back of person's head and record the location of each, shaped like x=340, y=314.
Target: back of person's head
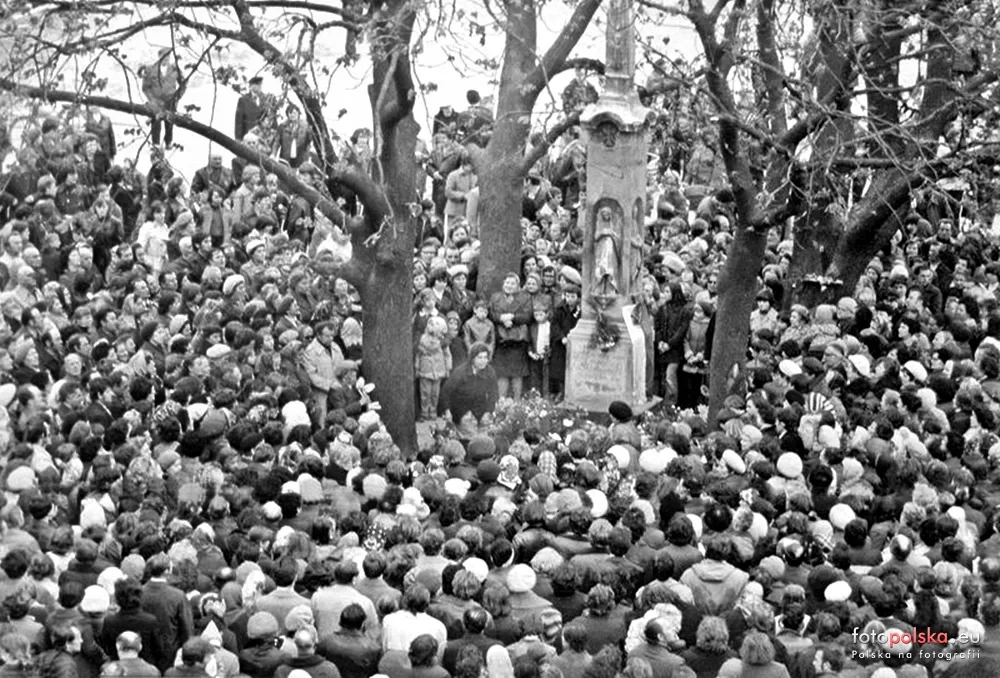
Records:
x=286, y=572
x=564, y=579
x=128, y=594
x=416, y=599
x=353, y=617
x=305, y=640
x=15, y=563
x=475, y=619
x=345, y=572
x=423, y=651
x=128, y=641
x=374, y=565
x=757, y=649
x=158, y=565
x=70, y=593
x=193, y=651
x=713, y=635
x=431, y=541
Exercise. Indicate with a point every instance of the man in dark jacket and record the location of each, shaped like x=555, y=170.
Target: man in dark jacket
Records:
x=475, y=620
x=249, y=109
x=307, y=660
x=354, y=654
x=130, y=617
x=170, y=607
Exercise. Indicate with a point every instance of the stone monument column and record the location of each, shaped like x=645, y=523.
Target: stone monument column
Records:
x=615, y=132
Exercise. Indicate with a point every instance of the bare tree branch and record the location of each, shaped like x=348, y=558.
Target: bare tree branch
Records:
x=554, y=57
x=539, y=151
x=285, y=173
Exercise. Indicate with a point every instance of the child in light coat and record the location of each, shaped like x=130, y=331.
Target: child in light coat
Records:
x=433, y=364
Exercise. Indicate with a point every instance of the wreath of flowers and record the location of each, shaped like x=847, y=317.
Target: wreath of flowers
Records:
x=606, y=333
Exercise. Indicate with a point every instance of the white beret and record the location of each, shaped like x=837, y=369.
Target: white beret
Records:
x=651, y=461
x=230, y=284
x=521, y=578
x=837, y=592
x=457, y=487
x=861, y=364
x=621, y=455
x=916, y=370
x=218, y=351
x=840, y=516
x=600, y=502
x=733, y=462
x=478, y=567
x=789, y=368
x=790, y=465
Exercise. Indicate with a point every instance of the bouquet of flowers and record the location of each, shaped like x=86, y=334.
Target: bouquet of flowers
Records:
x=606, y=333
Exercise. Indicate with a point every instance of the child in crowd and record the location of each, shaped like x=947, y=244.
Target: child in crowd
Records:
x=433, y=364
x=456, y=343
x=538, y=348
x=479, y=328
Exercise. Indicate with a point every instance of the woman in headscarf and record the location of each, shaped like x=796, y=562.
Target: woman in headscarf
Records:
x=470, y=394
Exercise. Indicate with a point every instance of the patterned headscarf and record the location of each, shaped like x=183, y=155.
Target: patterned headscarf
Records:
x=509, y=472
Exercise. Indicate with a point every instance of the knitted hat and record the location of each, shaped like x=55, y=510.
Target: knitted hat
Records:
x=847, y=305
x=262, y=625
x=521, y=578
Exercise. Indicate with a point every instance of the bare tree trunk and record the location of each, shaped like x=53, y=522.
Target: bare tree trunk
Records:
x=737, y=291
x=501, y=179
x=818, y=232
x=502, y=167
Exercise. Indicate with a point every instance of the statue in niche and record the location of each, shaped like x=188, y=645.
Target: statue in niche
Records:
x=608, y=133
x=608, y=239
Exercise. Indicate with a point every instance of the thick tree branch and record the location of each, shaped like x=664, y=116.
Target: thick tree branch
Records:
x=554, y=57
x=773, y=73
x=557, y=130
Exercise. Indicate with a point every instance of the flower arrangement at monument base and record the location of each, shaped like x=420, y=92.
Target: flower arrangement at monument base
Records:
x=513, y=417
x=606, y=333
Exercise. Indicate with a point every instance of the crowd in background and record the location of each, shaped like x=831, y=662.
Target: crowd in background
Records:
x=197, y=482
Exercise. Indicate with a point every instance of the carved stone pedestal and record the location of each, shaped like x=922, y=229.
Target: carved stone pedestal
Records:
x=599, y=378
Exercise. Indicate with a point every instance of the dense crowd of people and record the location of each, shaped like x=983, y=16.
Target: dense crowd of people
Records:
x=196, y=480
